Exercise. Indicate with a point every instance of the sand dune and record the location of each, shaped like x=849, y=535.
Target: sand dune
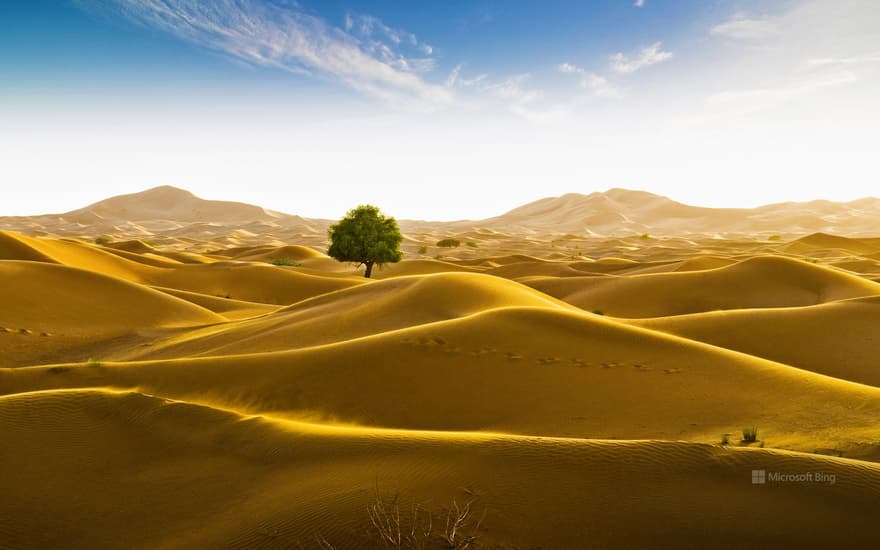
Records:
x=239, y=280
x=530, y=371
x=760, y=282
x=52, y=312
x=572, y=370
x=209, y=478
x=419, y=267
x=171, y=212
x=14, y=246
x=820, y=241
x=298, y=253
x=354, y=312
x=626, y=212
x=169, y=203
x=229, y=308
x=248, y=282
x=843, y=336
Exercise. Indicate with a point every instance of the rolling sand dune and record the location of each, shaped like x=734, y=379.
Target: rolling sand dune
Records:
x=70, y=253
x=761, y=282
x=529, y=371
x=580, y=370
x=266, y=254
x=229, y=308
x=209, y=478
x=50, y=311
x=843, y=336
x=419, y=267
x=252, y=283
x=364, y=310
x=822, y=241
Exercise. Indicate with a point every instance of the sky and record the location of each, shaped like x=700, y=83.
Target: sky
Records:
x=437, y=109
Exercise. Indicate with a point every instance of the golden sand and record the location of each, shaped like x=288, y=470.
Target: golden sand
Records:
x=182, y=391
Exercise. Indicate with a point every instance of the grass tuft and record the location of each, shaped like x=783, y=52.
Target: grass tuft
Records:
x=285, y=262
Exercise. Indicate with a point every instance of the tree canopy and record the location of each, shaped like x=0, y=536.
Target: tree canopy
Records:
x=365, y=236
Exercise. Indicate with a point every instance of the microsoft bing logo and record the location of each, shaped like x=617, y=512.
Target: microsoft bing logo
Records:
x=759, y=477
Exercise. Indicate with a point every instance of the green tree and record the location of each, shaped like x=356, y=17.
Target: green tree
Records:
x=367, y=237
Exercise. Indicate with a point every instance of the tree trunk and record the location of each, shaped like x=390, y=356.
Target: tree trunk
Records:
x=369, y=269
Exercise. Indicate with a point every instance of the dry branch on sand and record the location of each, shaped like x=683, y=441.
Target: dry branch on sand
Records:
x=414, y=528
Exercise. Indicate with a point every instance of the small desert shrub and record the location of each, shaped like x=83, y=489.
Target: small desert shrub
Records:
x=57, y=370
x=423, y=250
x=750, y=434
x=449, y=243
x=774, y=238
x=286, y=262
x=461, y=526
x=400, y=530
x=94, y=362
x=645, y=236
x=725, y=439
x=472, y=244
x=103, y=241
x=598, y=312
x=438, y=257
x=413, y=526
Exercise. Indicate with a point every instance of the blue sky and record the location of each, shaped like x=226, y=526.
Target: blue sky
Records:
x=310, y=106
x=92, y=45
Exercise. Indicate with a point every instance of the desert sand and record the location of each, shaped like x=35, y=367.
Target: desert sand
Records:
x=182, y=373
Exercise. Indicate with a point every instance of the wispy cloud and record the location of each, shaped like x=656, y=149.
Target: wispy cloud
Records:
x=512, y=90
x=817, y=62
x=639, y=3
x=651, y=55
x=742, y=27
x=456, y=80
x=515, y=90
x=367, y=55
x=514, y=93
x=758, y=99
x=597, y=84
x=374, y=30
x=807, y=54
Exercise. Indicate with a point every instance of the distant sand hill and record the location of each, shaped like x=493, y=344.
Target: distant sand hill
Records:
x=170, y=203
x=168, y=213
x=164, y=384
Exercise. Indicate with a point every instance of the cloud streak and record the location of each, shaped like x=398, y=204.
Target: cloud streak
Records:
x=741, y=27
x=651, y=55
x=367, y=56
x=598, y=85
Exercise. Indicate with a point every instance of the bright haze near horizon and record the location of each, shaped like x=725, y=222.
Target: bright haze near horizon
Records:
x=437, y=110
